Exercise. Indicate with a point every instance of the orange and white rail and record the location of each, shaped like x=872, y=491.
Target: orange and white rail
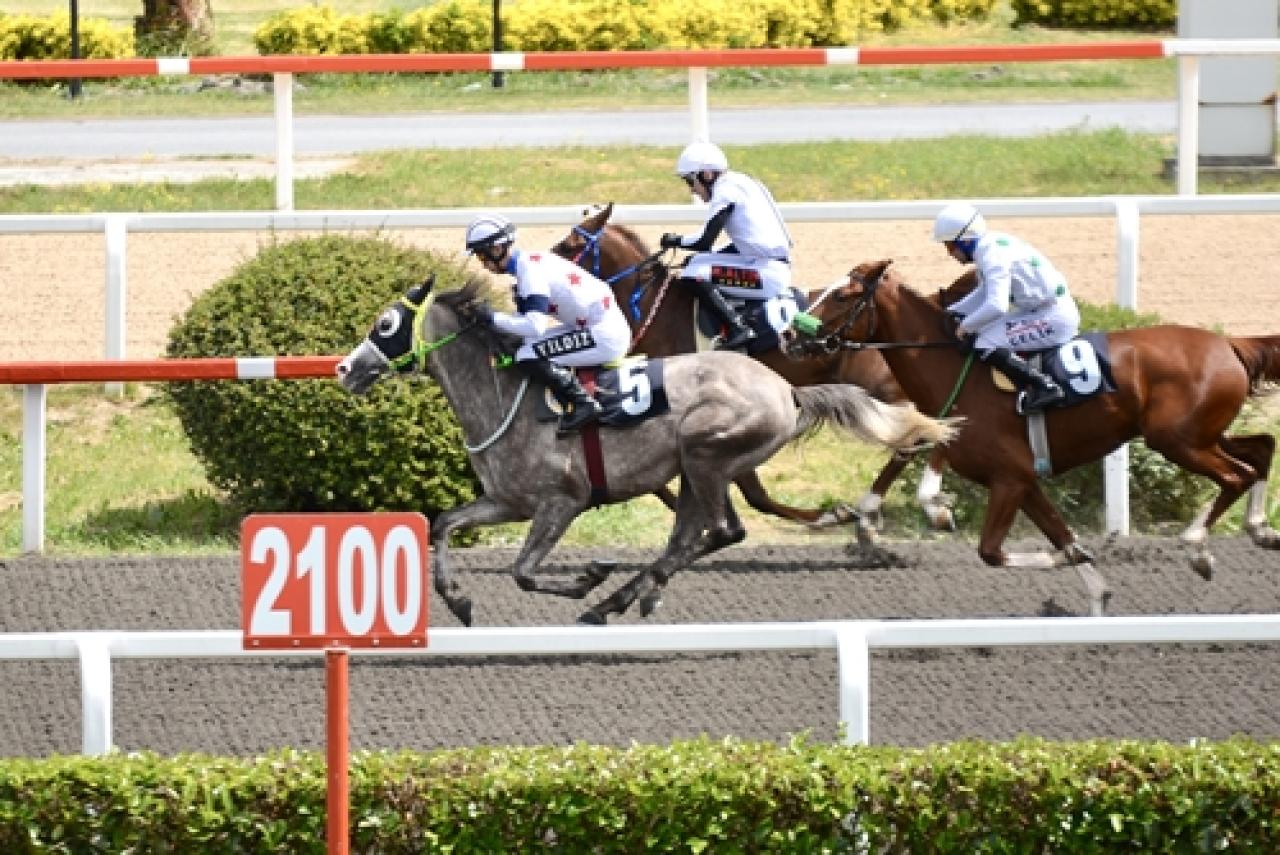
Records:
x=34, y=376
x=1187, y=51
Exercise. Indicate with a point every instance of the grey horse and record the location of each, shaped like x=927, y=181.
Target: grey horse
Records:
x=727, y=415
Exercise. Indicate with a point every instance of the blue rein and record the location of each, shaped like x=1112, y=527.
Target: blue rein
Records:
x=591, y=250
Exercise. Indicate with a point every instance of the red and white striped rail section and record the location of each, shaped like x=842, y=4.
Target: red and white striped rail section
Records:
x=35, y=376
x=1188, y=52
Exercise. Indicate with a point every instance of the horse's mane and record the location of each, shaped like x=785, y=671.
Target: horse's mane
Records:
x=629, y=235
x=474, y=289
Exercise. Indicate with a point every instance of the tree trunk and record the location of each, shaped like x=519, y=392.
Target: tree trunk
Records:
x=174, y=27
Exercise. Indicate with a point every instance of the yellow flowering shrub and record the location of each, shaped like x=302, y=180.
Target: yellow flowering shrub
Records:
x=1154, y=14
x=49, y=37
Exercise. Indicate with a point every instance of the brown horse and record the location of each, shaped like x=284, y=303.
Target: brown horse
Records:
x=1177, y=387
x=661, y=319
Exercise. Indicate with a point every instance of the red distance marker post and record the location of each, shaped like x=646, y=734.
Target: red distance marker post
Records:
x=334, y=582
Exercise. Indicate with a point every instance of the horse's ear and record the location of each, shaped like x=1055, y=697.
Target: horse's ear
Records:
x=419, y=292
x=598, y=216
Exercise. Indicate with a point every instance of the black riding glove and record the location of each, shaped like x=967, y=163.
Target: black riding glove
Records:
x=482, y=314
x=671, y=240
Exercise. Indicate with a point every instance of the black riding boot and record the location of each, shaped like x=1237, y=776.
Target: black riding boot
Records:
x=739, y=333
x=1040, y=389
x=579, y=407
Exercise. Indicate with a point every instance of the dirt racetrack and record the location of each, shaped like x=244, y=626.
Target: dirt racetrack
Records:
x=1210, y=270
x=243, y=707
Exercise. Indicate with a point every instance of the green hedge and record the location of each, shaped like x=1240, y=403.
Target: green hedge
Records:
x=31, y=37
x=465, y=26
x=700, y=796
x=308, y=445
x=1093, y=14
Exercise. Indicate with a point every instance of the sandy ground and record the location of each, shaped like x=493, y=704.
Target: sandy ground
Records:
x=1212, y=270
x=918, y=696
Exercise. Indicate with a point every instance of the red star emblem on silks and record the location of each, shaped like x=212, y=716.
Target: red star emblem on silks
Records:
x=553, y=309
x=582, y=322
x=574, y=279
x=536, y=256
x=607, y=301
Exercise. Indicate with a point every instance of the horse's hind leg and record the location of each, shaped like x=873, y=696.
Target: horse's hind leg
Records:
x=1233, y=463
x=1257, y=450
x=483, y=511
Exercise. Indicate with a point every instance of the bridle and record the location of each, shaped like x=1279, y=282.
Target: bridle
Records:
x=420, y=348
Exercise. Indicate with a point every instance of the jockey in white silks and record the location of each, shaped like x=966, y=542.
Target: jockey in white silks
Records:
x=566, y=317
x=1021, y=302
x=756, y=264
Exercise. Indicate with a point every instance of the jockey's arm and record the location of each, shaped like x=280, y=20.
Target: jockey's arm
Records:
x=531, y=321
x=993, y=297
x=710, y=232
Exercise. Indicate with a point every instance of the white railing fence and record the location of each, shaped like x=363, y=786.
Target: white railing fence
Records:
x=853, y=642
x=115, y=228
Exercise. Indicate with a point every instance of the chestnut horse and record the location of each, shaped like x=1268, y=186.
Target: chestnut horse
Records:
x=661, y=319
x=1177, y=387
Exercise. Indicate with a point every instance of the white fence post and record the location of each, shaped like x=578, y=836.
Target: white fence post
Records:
x=95, y=693
x=34, y=396
x=1188, y=123
x=283, y=88
x=853, y=658
x=115, y=229
x=1115, y=466
x=699, y=123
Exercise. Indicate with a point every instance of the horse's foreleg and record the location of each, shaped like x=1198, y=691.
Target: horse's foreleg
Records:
x=483, y=511
x=549, y=525
x=1048, y=519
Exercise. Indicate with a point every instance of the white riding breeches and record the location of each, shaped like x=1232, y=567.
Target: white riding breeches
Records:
x=576, y=347
x=1039, y=329
x=737, y=275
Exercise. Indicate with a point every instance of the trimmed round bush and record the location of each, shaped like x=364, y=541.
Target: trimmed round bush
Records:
x=309, y=445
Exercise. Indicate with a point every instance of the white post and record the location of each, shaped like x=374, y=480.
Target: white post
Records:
x=1188, y=123
x=1115, y=467
x=117, y=237
x=853, y=659
x=699, y=124
x=283, y=86
x=33, y=454
x=95, y=694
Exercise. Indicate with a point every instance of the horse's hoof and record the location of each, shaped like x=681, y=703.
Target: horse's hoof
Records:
x=461, y=609
x=942, y=519
x=1203, y=565
x=650, y=603
x=590, y=618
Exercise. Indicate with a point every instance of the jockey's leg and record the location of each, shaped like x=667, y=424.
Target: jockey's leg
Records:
x=1041, y=389
x=579, y=407
x=739, y=333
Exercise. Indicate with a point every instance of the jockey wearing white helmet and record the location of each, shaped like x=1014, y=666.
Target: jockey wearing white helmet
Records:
x=756, y=264
x=1021, y=301
x=566, y=317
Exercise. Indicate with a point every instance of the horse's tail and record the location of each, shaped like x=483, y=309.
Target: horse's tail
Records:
x=1260, y=356
x=851, y=409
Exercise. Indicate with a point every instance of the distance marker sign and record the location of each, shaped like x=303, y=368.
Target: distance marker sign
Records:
x=334, y=580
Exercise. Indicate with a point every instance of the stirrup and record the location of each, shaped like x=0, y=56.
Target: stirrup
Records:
x=736, y=338
x=1037, y=398
x=581, y=415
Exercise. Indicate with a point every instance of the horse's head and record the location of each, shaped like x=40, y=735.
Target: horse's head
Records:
x=843, y=312
x=398, y=344
x=582, y=244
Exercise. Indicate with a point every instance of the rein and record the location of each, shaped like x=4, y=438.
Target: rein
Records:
x=421, y=349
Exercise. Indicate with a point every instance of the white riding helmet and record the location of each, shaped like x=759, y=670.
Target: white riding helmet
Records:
x=958, y=221
x=698, y=156
x=489, y=230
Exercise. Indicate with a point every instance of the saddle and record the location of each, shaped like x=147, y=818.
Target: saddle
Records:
x=631, y=391
x=1082, y=367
